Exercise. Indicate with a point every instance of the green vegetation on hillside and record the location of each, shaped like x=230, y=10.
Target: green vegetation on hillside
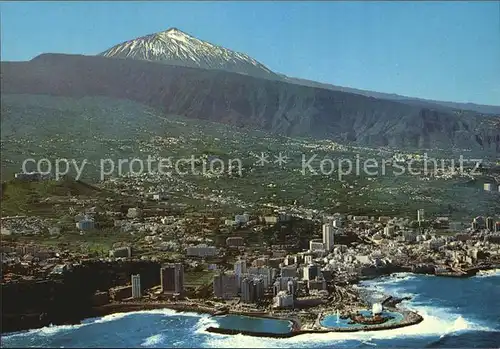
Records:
x=31, y=198
x=102, y=128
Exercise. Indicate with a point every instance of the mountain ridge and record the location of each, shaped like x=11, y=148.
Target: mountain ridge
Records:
x=246, y=101
x=176, y=47
x=423, y=102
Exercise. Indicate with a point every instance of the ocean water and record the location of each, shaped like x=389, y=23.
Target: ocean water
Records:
x=458, y=313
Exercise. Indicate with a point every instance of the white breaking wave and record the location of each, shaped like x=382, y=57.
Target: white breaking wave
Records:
x=44, y=331
x=435, y=323
x=164, y=311
x=54, y=329
x=205, y=322
x=153, y=340
x=390, y=285
x=385, y=282
x=438, y=322
x=111, y=317
x=488, y=273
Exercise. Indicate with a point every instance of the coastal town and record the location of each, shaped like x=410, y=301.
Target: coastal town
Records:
x=254, y=174
x=270, y=262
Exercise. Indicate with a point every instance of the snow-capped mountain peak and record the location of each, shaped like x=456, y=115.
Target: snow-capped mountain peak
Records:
x=174, y=34
x=176, y=47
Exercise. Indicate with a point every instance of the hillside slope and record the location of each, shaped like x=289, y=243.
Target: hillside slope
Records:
x=246, y=101
x=95, y=128
x=175, y=47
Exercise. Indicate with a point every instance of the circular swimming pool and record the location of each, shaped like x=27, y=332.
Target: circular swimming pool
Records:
x=334, y=321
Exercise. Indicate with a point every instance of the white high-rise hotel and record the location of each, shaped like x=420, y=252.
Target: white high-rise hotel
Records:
x=136, y=286
x=328, y=236
x=240, y=268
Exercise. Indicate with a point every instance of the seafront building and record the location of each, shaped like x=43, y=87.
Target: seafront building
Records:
x=252, y=289
x=260, y=262
x=285, y=284
x=136, y=286
x=172, y=278
x=283, y=300
x=225, y=285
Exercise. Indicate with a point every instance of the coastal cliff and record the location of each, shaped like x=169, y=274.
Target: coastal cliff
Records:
x=68, y=298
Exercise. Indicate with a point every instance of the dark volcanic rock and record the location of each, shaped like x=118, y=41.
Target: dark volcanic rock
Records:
x=33, y=304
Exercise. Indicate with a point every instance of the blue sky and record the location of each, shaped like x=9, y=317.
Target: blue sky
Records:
x=436, y=50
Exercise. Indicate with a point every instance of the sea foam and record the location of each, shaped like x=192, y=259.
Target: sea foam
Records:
x=437, y=322
x=154, y=340
x=488, y=273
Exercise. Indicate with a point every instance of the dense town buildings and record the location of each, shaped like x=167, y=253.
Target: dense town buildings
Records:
x=172, y=278
x=279, y=275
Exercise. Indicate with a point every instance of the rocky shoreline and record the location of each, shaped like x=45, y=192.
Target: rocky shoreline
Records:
x=14, y=322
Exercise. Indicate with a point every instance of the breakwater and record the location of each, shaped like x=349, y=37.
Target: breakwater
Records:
x=410, y=318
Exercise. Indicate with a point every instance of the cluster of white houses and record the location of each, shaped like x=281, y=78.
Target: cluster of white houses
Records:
x=288, y=278
x=241, y=219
